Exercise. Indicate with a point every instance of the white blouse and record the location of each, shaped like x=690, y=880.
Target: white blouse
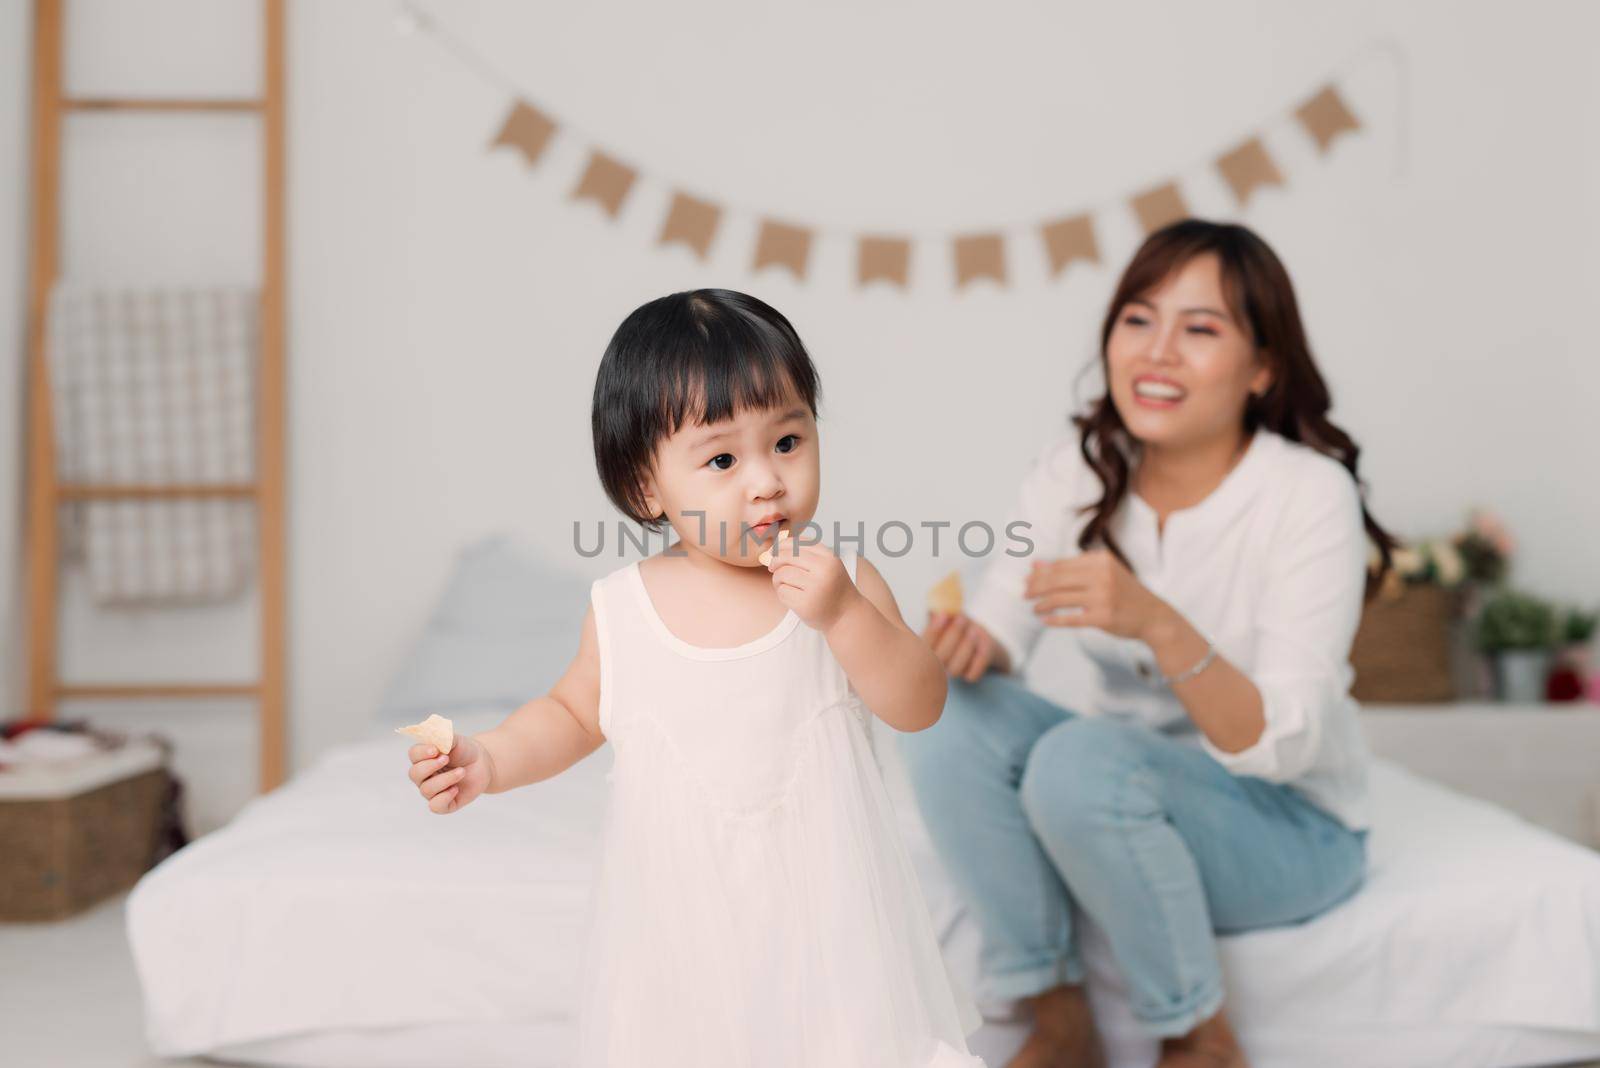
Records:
x=1270, y=567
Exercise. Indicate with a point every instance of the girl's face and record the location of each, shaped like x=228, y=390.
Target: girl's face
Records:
x=717, y=481
x=1179, y=365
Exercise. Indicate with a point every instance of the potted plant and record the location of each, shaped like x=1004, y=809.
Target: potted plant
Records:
x=1573, y=665
x=1518, y=632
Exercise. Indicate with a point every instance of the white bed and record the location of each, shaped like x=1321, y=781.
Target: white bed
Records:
x=336, y=922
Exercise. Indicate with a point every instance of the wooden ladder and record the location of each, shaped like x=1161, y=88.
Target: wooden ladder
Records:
x=46, y=494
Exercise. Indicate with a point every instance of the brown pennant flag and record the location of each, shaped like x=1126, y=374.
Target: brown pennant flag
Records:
x=1159, y=206
x=1325, y=117
x=605, y=181
x=980, y=256
x=527, y=129
x=1070, y=239
x=784, y=245
x=1247, y=168
x=691, y=221
x=888, y=258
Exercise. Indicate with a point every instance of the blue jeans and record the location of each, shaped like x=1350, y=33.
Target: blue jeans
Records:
x=1034, y=810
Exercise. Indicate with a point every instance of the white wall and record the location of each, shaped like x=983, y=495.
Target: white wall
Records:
x=448, y=306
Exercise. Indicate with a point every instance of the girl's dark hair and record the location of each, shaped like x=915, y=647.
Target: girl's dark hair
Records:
x=1259, y=294
x=700, y=357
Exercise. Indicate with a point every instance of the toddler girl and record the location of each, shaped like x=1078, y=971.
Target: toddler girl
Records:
x=756, y=907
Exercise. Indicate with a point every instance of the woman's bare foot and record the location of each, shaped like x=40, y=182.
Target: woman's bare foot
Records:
x=1063, y=1033
x=1210, y=1045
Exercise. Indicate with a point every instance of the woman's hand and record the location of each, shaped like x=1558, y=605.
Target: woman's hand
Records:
x=452, y=781
x=812, y=581
x=1094, y=589
x=962, y=645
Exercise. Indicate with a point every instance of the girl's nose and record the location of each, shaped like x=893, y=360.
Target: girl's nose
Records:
x=764, y=482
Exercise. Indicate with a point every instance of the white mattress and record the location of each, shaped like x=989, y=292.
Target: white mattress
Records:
x=337, y=922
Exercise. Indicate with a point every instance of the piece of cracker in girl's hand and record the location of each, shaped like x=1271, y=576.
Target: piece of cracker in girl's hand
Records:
x=946, y=596
x=765, y=556
x=435, y=731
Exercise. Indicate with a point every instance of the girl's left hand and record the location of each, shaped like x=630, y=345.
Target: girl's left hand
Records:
x=1092, y=589
x=811, y=580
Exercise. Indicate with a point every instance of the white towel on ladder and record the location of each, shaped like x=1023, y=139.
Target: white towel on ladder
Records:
x=156, y=386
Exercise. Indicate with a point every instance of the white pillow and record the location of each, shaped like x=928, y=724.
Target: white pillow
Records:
x=502, y=633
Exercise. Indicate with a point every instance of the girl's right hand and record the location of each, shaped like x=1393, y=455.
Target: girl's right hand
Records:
x=962, y=645
x=450, y=782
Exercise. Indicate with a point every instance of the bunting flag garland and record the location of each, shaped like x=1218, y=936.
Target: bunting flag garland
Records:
x=783, y=245
x=605, y=181
x=980, y=256
x=527, y=130
x=1159, y=206
x=887, y=258
x=1325, y=117
x=693, y=220
x=1247, y=168
x=1067, y=240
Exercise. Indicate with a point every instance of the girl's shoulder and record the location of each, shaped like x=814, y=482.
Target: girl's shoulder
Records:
x=615, y=588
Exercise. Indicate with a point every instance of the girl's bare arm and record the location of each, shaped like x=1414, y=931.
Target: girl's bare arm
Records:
x=895, y=672
x=549, y=734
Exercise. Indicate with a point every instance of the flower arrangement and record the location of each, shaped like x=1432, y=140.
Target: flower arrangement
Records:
x=1486, y=548
x=1480, y=554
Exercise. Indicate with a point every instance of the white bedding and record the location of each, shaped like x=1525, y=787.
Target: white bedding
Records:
x=337, y=922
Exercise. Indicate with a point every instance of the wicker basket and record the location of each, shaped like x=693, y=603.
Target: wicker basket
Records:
x=1401, y=653
x=64, y=854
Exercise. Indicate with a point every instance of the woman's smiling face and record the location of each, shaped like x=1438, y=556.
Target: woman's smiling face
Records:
x=1179, y=364
x=738, y=472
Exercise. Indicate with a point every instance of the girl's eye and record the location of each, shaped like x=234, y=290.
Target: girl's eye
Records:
x=1134, y=320
x=793, y=443
x=1203, y=330
x=716, y=461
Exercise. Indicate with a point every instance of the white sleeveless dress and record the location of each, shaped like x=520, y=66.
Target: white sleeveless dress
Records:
x=755, y=907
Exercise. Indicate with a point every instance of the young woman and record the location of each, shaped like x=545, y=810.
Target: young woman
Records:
x=1202, y=531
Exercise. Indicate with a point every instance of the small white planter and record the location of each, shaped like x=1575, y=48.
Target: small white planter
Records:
x=1519, y=675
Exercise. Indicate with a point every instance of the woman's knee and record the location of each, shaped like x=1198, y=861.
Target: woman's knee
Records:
x=1084, y=769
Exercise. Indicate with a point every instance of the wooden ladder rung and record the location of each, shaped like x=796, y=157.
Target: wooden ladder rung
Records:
x=159, y=689
x=157, y=103
x=112, y=491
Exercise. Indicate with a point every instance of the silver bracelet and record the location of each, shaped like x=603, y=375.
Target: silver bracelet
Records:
x=1205, y=662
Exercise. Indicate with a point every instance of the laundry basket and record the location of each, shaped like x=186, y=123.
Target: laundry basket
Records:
x=75, y=835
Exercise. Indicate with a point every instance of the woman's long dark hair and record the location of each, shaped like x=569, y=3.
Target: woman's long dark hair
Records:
x=1296, y=405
